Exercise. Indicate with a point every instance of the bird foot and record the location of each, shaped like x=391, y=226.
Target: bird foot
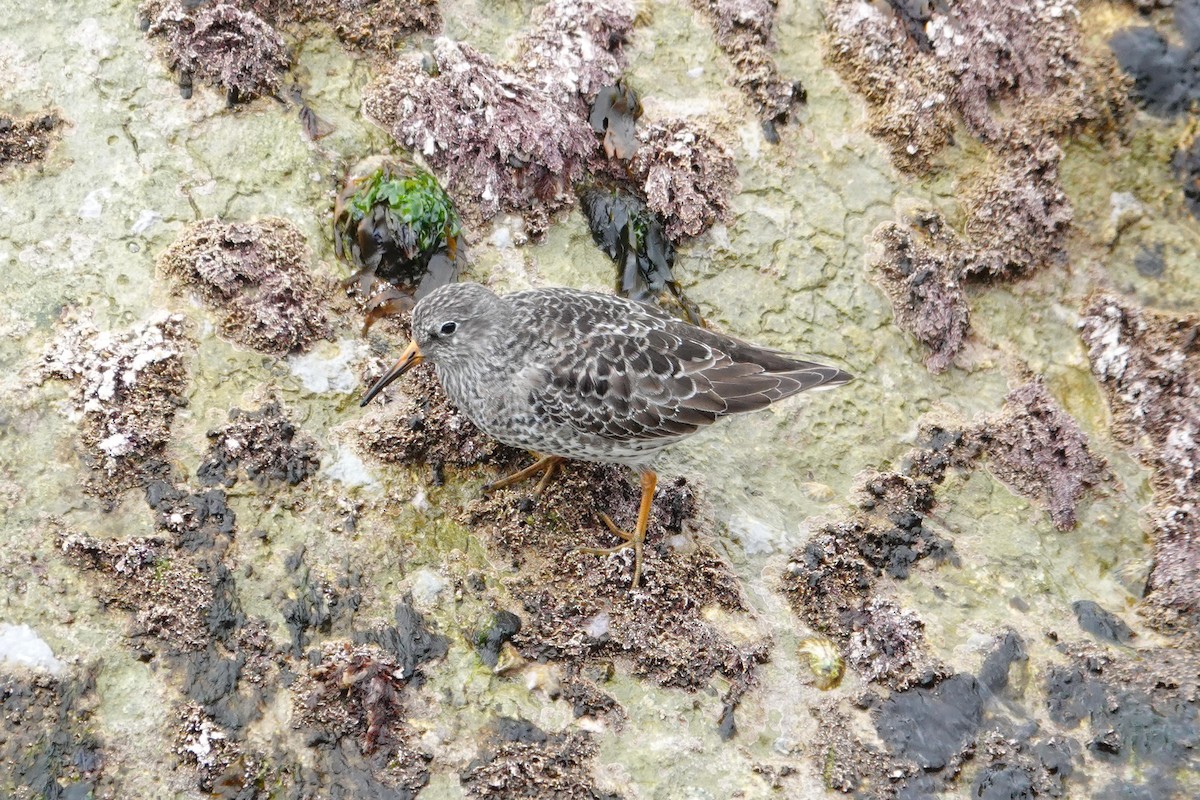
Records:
x=629, y=541
x=549, y=465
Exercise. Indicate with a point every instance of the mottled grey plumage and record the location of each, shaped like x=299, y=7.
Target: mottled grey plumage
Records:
x=591, y=376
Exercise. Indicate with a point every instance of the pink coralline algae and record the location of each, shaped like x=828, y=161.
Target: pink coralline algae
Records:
x=1149, y=366
x=517, y=137
x=1011, y=72
x=233, y=49
x=575, y=48
x=921, y=266
x=1015, y=76
x=744, y=31
x=1018, y=214
x=371, y=25
x=687, y=176
x=498, y=141
x=256, y=275
x=1038, y=450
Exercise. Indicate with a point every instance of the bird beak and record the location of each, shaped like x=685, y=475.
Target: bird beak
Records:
x=408, y=359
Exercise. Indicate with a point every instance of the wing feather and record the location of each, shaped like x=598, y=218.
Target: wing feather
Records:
x=630, y=372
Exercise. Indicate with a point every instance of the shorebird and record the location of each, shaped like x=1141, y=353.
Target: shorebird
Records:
x=575, y=375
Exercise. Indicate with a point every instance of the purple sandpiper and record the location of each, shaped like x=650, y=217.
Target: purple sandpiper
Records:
x=579, y=375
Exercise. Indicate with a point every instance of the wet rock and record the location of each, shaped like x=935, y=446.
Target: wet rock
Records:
x=688, y=178
x=1149, y=261
x=727, y=725
x=500, y=142
x=313, y=126
x=1003, y=782
x=1166, y=81
x=575, y=48
x=315, y=605
x=128, y=388
x=1099, y=622
x=1039, y=451
x=1165, y=77
x=613, y=115
x=744, y=31
x=524, y=761
x=920, y=268
x=1058, y=755
x=519, y=731
x=264, y=445
x=933, y=727
x=1149, y=367
x=47, y=746
x=394, y=222
x=28, y=139
x=1142, y=708
x=231, y=48
x=256, y=275
x=1066, y=695
x=212, y=678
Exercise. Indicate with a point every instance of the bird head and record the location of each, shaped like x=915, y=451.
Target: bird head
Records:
x=450, y=328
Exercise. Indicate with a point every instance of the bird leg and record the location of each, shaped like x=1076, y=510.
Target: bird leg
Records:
x=630, y=540
x=547, y=464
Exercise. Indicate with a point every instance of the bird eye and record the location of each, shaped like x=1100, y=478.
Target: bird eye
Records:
x=449, y=328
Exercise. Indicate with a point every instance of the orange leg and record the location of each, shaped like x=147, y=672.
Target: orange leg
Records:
x=547, y=464
x=635, y=539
